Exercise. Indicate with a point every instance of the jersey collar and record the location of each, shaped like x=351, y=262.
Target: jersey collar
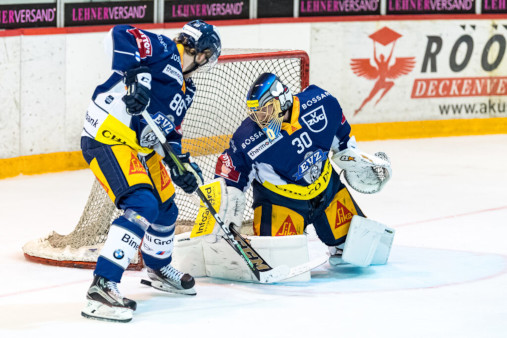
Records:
x=181, y=50
x=293, y=125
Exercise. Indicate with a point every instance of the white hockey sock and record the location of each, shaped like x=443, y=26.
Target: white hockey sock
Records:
x=160, y=245
x=121, y=246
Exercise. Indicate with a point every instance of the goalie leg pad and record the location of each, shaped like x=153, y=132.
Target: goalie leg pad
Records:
x=202, y=258
x=223, y=262
x=384, y=247
x=363, y=241
x=188, y=255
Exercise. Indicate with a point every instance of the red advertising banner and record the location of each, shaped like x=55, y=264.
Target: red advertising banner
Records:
x=459, y=87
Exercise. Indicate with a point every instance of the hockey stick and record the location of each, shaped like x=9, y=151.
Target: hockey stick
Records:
x=259, y=267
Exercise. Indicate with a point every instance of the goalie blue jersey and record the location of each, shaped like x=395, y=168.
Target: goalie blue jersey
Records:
x=171, y=94
x=295, y=164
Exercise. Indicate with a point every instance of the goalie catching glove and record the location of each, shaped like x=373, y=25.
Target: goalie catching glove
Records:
x=191, y=179
x=363, y=172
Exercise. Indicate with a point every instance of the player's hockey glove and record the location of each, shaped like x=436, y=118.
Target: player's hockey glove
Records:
x=138, y=83
x=190, y=180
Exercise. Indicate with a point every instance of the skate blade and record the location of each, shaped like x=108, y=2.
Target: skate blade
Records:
x=335, y=260
x=97, y=310
x=162, y=287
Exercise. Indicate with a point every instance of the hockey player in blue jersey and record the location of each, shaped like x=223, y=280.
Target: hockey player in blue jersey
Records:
x=150, y=72
x=286, y=150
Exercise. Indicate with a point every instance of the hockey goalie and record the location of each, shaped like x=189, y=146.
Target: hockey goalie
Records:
x=291, y=149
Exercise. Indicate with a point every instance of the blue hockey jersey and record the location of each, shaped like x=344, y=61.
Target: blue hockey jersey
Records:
x=296, y=163
x=171, y=95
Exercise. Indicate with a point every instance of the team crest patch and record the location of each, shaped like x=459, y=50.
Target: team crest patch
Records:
x=315, y=120
x=164, y=123
x=311, y=167
x=136, y=166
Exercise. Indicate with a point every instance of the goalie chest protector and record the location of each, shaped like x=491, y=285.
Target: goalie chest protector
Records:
x=298, y=154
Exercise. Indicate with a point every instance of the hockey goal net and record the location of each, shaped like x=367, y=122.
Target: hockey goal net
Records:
x=218, y=109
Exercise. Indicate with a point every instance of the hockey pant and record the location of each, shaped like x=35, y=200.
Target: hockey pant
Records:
x=145, y=192
x=330, y=213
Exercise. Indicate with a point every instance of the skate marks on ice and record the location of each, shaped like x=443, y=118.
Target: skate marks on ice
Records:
x=408, y=268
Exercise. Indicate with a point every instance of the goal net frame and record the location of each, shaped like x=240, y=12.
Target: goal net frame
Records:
x=81, y=247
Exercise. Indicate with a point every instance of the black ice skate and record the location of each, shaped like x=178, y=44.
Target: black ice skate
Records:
x=106, y=303
x=169, y=279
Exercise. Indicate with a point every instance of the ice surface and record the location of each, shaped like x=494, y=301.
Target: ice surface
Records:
x=447, y=275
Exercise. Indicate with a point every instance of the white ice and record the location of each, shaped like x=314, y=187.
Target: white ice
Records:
x=447, y=275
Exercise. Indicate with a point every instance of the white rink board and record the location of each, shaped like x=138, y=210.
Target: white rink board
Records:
x=352, y=41
x=47, y=80
x=10, y=78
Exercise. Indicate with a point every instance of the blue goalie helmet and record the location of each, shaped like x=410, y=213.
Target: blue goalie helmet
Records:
x=267, y=102
x=203, y=38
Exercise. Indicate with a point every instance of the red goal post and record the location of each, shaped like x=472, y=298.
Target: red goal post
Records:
x=218, y=108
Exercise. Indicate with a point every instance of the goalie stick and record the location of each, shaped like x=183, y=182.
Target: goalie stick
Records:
x=259, y=267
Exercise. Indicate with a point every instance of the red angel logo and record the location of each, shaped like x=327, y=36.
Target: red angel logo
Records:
x=382, y=70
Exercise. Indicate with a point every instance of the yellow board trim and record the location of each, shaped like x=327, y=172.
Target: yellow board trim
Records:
x=427, y=129
x=61, y=161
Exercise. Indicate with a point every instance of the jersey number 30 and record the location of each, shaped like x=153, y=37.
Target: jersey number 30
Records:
x=302, y=142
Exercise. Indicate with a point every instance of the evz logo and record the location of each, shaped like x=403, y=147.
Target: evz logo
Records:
x=148, y=138
x=316, y=120
x=311, y=167
x=163, y=122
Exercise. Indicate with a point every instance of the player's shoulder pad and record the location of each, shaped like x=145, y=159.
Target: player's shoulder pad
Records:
x=122, y=28
x=312, y=90
x=312, y=95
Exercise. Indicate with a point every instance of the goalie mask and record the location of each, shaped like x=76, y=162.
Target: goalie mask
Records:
x=199, y=37
x=267, y=102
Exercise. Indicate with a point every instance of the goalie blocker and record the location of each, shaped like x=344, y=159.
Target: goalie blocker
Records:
x=368, y=242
